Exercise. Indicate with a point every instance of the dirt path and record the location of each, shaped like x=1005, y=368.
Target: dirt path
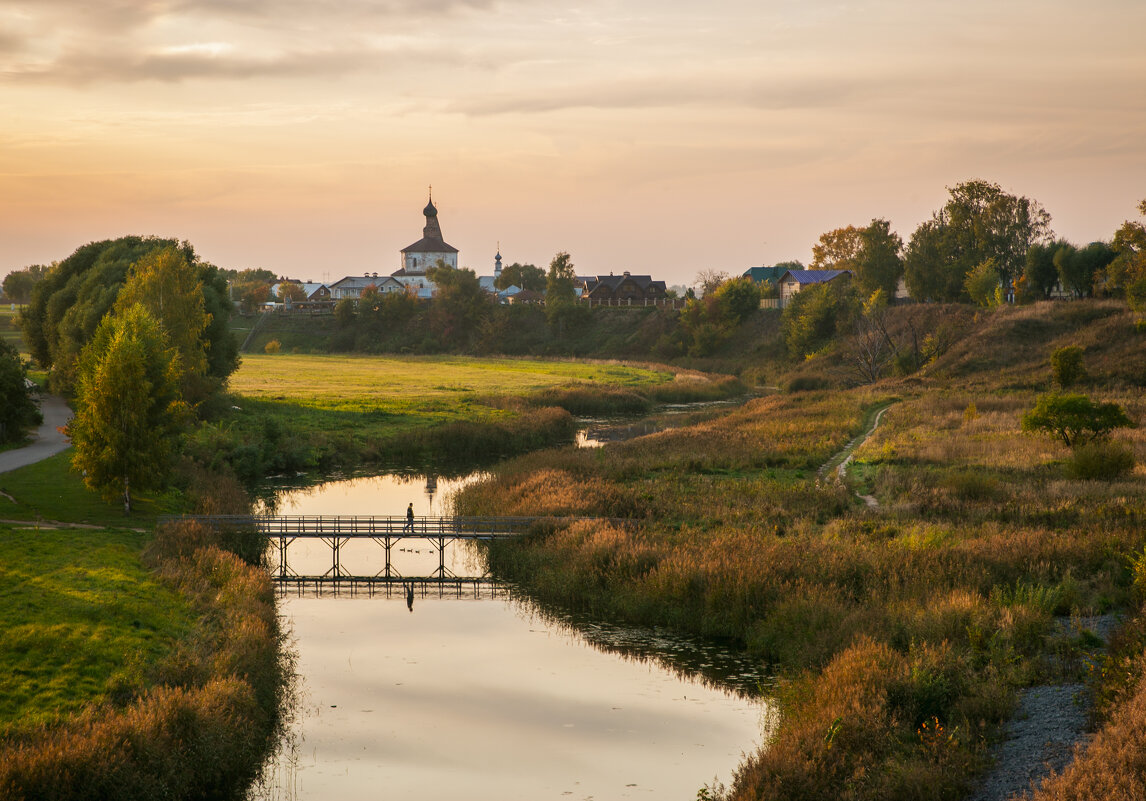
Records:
x=842, y=459
x=48, y=439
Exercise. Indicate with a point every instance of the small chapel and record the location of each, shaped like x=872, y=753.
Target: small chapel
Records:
x=427, y=251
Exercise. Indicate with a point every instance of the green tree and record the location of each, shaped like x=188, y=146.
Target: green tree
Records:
x=1129, y=265
x=526, y=276
x=1039, y=273
x=130, y=414
x=68, y=304
x=1066, y=366
x=979, y=221
x=459, y=304
x=871, y=254
x=17, y=409
x=1078, y=268
x=1075, y=419
x=815, y=315
x=169, y=287
x=292, y=291
x=560, y=292
x=737, y=299
x=982, y=284
x=18, y=284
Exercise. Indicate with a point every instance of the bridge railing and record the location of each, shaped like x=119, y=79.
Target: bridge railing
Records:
x=367, y=525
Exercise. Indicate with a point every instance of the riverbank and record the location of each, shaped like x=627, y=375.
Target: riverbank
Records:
x=133, y=664
x=903, y=631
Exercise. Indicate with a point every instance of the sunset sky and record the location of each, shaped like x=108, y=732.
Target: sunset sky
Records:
x=659, y=137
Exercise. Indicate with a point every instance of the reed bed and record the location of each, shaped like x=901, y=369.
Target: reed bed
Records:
x=901, y=632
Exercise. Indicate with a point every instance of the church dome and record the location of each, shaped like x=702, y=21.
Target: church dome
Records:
x=430, y=211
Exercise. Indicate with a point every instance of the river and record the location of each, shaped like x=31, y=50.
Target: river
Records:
x=483, y=696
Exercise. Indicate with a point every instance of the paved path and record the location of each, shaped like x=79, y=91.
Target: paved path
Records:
x=47, y=441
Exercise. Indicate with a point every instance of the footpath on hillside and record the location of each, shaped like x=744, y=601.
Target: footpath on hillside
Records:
x=48, y=440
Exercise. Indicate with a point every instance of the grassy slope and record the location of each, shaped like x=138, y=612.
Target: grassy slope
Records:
x=936, y=605
x=79, y=617
x=51, y=490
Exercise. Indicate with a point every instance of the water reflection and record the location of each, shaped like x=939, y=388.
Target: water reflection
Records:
x=495, y=698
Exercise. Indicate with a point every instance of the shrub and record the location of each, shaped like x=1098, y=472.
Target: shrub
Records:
x=1101, y=460
x=1075, y=419
x=274, y=346
x=1066, y=366
x=807, y=383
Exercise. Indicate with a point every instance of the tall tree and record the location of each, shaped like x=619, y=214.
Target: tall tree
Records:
x=560, y=292
x=169, y=287
x=459, y=304
x=130, y=414
x=68, y=304
x=1040, y=274
x=871, y=254
x=1126, y=274
x=979, y=222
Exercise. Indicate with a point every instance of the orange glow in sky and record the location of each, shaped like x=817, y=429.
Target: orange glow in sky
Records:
x=657, y=137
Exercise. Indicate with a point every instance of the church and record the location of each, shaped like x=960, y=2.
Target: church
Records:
x=424, y=254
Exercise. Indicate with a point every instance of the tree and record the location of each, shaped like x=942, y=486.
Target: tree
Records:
x=130, y=414
x=1039, y=273
x=18, y=284
x=871, y=254
x=169, y=287
x=1075, y=419
x=737, y=298
x=526, y=276
x=816, y=314
x=1078, y=268
x=979, y=221
x=880, y=263
x=68, y=304
x=838, y=249
x=1067, y=368
x=1129, y=265
x=17, y=409
x=982, y=284
x=708, y=280
x=560, y=292
x=872, y=349
x=292, y=291
x=459, y=304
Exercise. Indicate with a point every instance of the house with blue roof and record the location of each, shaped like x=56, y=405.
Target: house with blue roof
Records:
x=792, y=281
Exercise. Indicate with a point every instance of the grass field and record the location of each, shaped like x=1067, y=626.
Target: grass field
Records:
x=438, y=386
x=80, y=619
x=293, y=413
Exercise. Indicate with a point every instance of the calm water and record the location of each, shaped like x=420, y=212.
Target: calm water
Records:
x=488, y=698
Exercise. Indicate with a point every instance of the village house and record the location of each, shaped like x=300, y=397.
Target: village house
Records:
x=623, y=289
x=792, y=281
x=352, y=286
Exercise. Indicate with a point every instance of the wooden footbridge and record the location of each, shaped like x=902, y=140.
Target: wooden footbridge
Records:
x=389, y=532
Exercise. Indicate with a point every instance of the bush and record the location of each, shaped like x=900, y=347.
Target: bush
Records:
x=1066, y=366
x=1101, y=460
x=274, y=346
x=807, y=383
x=1075, y=419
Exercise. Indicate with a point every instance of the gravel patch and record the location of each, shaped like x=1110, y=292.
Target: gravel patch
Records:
x=1041, y=738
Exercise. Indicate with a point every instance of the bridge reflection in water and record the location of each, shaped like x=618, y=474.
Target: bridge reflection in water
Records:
x=348, y=570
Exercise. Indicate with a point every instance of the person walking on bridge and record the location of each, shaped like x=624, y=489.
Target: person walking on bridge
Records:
x=409, y=527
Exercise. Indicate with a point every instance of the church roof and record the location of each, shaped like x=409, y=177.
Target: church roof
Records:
x=431, y=241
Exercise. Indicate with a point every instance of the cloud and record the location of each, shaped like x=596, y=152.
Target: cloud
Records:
x=715, y=90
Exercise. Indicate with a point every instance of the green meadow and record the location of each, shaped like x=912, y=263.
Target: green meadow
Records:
x=81, y=620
